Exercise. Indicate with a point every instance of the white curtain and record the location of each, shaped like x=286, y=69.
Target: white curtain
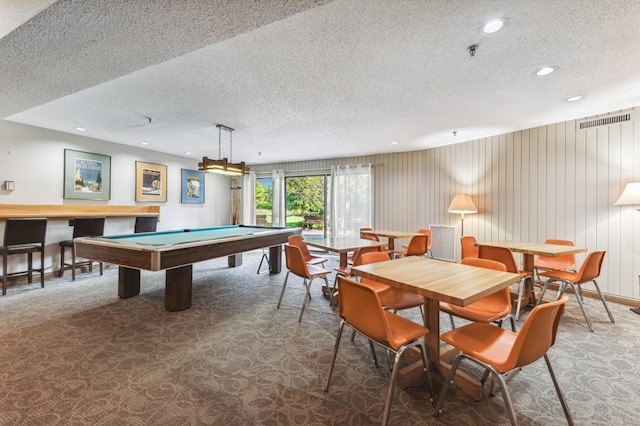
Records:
x=278, y=212
x=351, y=199
x=249, y=199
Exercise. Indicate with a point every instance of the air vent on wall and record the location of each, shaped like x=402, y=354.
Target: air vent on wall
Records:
x=444, y=242
x=605, y=120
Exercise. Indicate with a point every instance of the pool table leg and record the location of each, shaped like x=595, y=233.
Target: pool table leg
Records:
x=234, y=260
x=177, y=293
x=128, y=282
x=275, y=259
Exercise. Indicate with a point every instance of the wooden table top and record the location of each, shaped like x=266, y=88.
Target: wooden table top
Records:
x=392, y=234
x=542, y=249
x=435, y=279
x=342, y=244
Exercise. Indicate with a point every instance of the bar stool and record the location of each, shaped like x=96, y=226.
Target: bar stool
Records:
x=82, y=227
x=145, y=224
x=23, y=236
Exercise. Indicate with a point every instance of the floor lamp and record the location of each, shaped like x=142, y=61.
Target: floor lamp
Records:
x=630, y=196
x=462, y=204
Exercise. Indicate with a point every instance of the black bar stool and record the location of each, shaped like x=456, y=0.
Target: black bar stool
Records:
x=82, y=227
x=145, y=224
x=23, y=236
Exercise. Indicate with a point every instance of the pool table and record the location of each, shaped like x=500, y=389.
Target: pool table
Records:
x=177, y=251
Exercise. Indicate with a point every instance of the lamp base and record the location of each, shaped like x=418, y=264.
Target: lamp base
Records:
x=636, y=310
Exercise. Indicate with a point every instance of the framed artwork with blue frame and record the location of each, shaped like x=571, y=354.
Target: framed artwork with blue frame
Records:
x=192, y=184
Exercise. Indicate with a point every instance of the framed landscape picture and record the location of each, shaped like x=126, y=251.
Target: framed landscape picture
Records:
x=192, y=185
x=151, y=182
x=87, y=176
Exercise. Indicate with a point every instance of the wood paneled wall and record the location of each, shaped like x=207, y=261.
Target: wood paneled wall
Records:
x=547, y=182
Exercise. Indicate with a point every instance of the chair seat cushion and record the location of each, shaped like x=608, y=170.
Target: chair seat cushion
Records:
x=315, y=271
x=484, y=342
x=396, y=299
x=23, y=248
x=404, y=329
x=478, y=311
x=560, y=275
x=316, y=260
x=66, y=243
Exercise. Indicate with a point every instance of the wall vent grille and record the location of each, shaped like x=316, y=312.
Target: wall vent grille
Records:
x=604, y=121
x=444, y=242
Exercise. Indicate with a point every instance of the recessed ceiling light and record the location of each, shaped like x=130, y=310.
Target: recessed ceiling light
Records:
x=144, y=143
x=546, y=71
x=492, y=26
x=187, y=153
x=574, y=98
x=394, y=143
x=80, y=129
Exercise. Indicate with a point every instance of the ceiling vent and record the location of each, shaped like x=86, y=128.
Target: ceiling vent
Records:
x=604, y=120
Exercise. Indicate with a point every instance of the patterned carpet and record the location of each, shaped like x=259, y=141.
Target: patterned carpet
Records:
x=74, y=354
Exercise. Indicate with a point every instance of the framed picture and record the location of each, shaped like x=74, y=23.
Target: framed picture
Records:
x=151, y=182
x=87, y=176
x=192, y=186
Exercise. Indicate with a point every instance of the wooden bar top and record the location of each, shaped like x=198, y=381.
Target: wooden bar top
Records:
x=69, y=211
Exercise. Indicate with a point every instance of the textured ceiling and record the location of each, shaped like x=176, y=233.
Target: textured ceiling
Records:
x=309, y=79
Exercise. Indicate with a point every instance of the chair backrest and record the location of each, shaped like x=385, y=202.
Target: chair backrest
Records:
x=295, y=261
x=360, y=306
x=297, y=240
x=372, y=237
x=567, y=261
x=362, y=230
x=484, y=263
x=469, y=248
x=537, y=334
x=418, y=245
x=145, y=224
x=88, y=226
x=25, y=231
x=373, y=257
x=500, y=254
x=501, y=298
x=429, y=234
x=364, y=250
x=590, y=268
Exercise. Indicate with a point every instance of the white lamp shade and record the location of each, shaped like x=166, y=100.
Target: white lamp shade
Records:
x=630, y=195
x=462, y=203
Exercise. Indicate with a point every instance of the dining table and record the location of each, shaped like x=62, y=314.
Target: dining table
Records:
x=342, y=245
x=391, y=235
x=529, y=251
x=438, y=281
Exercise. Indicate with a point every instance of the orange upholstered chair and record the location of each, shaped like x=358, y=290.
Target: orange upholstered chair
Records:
x=296, y=265
x=493, y=308
x=310, y=259
x=555, y=263
x=429, y=234
x=417, y=246
x=589, y=271
x=505, y=255
x=392, y=298
x=499, y=351
x=469, y=248
x=355, y=259
x=361, y=309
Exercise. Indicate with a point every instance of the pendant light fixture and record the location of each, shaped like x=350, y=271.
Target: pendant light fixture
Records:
x=223, y=166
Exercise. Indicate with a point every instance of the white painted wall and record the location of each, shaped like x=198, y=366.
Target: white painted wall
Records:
x=34, y=159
